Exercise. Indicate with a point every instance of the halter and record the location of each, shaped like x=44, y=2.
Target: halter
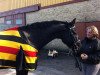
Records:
x=76, y=44
x=75, y=48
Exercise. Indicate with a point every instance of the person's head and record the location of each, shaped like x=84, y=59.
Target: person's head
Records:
x=92, y=31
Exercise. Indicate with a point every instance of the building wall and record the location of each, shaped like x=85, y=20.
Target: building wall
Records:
x=15, y=4
x=87, y=11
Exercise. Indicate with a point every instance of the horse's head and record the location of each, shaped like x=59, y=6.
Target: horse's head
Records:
x=68, y=34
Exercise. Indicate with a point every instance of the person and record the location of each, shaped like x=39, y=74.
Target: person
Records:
x=89, y=52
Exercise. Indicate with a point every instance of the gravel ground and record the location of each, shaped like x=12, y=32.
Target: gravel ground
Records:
x=61, y=65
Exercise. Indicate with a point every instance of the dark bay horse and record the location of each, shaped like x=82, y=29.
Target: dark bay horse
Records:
x=40, y=33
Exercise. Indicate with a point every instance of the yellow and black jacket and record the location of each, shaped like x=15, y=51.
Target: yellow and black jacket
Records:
x=15, y=52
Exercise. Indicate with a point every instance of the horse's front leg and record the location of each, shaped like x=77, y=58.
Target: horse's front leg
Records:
x=22, y=72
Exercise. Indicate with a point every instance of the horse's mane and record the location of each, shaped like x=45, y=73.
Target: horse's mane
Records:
x=43, y=24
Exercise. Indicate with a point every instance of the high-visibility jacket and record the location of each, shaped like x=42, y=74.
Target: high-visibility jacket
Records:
x=13, y=47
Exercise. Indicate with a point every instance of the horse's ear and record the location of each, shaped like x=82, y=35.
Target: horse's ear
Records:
x=73, y=21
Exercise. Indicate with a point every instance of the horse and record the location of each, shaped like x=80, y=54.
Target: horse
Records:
x=30, y=39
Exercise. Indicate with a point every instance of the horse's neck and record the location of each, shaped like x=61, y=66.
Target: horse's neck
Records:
x=38, y=40
x=41, y=37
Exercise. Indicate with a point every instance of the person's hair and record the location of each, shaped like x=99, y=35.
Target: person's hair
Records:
x=94, y=30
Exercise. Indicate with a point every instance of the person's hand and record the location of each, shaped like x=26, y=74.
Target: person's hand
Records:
x=84, y=56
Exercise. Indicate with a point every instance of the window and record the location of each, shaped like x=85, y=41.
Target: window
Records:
x=9, y=22
x=18, y=21
x=2, y=20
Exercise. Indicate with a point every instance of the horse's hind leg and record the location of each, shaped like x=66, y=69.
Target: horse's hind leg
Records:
x=22, y=72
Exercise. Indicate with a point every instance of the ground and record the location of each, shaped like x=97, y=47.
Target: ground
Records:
x=61, y=65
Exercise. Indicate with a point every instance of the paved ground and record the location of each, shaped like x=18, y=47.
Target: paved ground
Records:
x=61, y=65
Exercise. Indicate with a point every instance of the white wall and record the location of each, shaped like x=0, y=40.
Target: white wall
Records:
x=83, y=11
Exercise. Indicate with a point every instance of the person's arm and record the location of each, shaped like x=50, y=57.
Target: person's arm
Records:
x=96, y=55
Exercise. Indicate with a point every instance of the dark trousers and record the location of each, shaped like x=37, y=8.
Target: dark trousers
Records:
x=22, y=72
x=90, y=69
